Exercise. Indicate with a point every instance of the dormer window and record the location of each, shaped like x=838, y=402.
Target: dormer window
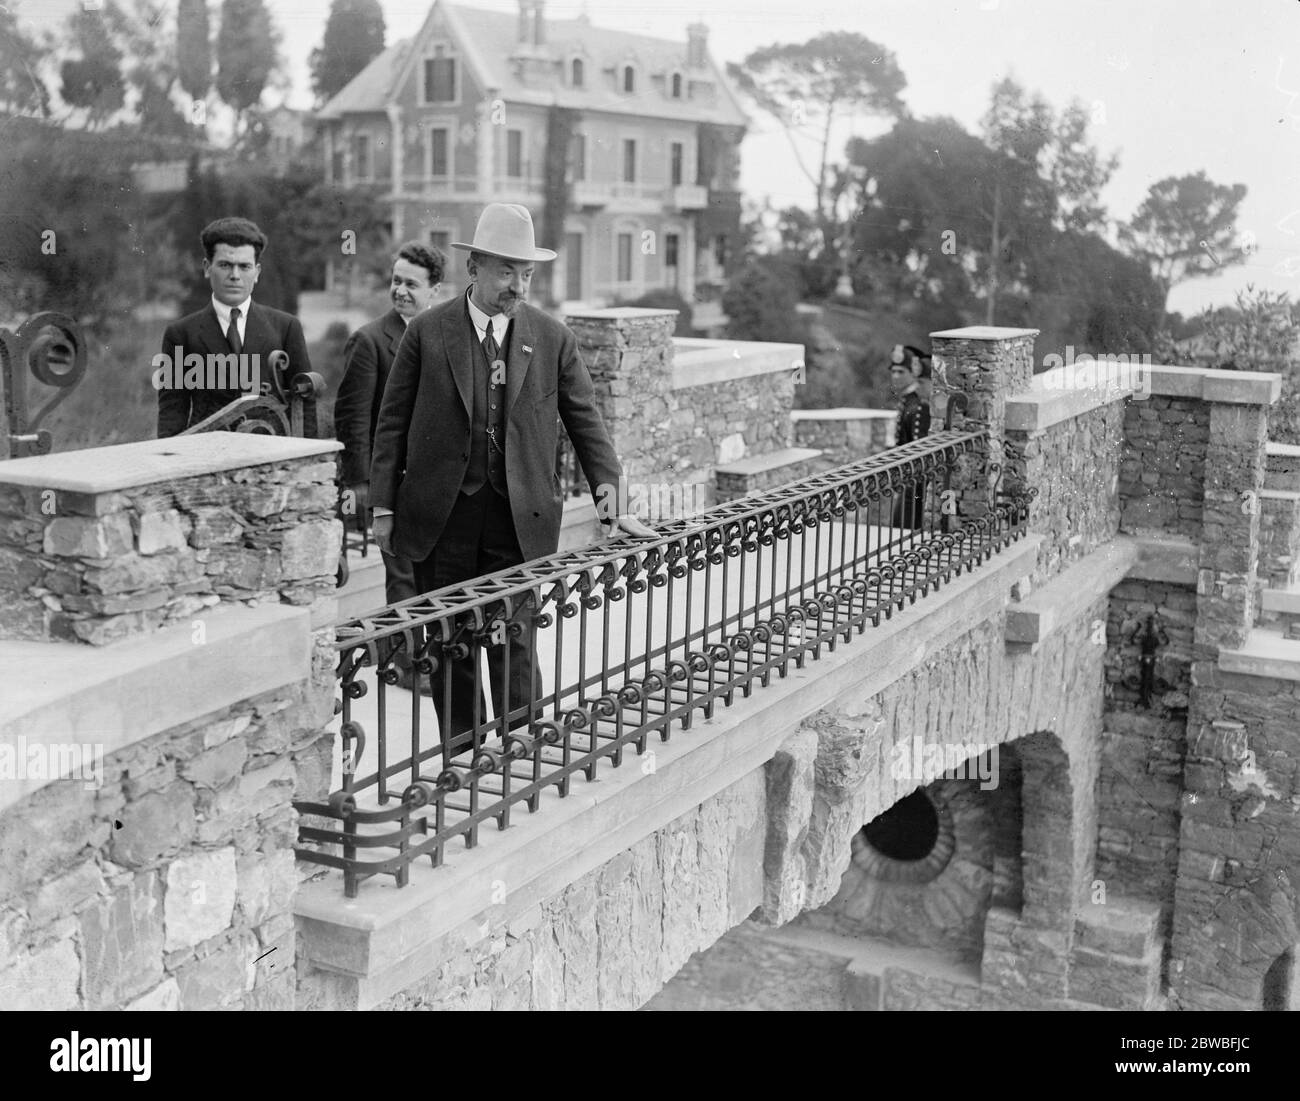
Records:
x=675, y=86
x=440, y=76
x=575, y=72
x=629, y=79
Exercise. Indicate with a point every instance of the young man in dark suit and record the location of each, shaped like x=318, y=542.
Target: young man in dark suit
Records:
x=368, y=358
x=230, y=323
x=462, y=479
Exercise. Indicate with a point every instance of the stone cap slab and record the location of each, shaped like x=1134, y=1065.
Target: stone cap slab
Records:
x=1071, y=592
x=1265, y=653
x=128, y=465
x=982, y=332
x=709, y=362
x=1054, y=397
x=112, y=697
x=622, y=313
x=1205, y=384
x=844, y=413
x=773, y=460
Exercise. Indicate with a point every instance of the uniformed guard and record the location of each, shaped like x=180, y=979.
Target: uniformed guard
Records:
x=909, y=375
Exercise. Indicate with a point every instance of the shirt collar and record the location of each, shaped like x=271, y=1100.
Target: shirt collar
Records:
x=223, y=311
x=500, y=322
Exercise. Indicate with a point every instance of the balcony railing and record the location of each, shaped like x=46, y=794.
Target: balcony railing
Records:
x=638, y=637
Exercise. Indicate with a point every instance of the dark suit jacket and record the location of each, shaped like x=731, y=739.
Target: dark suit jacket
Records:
x=367, y=357
x=266, y=331
x=422, y=442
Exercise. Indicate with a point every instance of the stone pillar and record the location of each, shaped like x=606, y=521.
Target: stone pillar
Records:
x=987, y=365
x=629, y=353
x=1229, y=548
x=485, y=147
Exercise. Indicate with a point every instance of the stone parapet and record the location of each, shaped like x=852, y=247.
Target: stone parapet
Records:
x=845, y=435
x=105, y=544
x=677, y=409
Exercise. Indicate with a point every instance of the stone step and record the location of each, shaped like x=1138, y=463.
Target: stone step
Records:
x=1280, y=609
x=761, y=472
x=1117, y=955
x=1123, y=926
x=1282, y=466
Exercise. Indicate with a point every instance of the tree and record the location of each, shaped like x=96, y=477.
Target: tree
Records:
x=194, y=48
x=247, y=53
x=354, y=35
x=761, y=306
x=22, y=91
x=1180, y=223
x=1045, y=177
x=93, y=81
x=150, y=58
x=831, y=76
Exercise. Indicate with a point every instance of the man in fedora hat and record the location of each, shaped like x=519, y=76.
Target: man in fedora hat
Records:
x=462, y=474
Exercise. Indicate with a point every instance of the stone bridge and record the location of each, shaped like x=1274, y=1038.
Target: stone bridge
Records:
x=1064, y=778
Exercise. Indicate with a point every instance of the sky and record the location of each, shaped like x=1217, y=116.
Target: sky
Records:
x=1173, y=86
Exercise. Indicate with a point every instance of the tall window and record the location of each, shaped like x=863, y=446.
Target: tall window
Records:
x=629, y=78
x=441, y=239
x=624, y=258
x=675, y=162
x=578, y=156
x=439, y=160
x=361, y=166
x=576, y=73
x=677, y=86
x=440, y=77
x=629, y=160
x=514, y=153
x=672, y=244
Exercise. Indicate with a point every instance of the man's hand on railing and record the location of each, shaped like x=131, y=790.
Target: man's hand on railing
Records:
x=628, y=525
x=382, y=529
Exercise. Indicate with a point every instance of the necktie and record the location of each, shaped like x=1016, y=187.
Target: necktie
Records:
x=493, y=353
x=232, y=332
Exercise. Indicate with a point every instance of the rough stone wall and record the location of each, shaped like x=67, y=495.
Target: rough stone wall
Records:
x=171, y=886
x=1143, y=747
x=99, y=568
x=844, y=440
x=1162, y=472
x=1238, y=889
x=676, y=436
x=1075, y=467
x=613, y=937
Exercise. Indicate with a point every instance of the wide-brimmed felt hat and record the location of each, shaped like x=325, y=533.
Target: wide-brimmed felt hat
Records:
x=506, y=230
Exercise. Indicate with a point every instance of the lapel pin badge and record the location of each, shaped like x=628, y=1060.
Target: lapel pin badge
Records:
x=528, y=348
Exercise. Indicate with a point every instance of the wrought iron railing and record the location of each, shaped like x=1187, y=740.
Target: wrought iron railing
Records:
x=639, y=636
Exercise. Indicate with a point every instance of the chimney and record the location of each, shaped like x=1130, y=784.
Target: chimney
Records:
x=532, y=22
x=697, y=45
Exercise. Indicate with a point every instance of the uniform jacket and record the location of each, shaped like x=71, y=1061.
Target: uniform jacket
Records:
x=422, y=440
x=368, y=357
x=913, y=418
x=265, y=331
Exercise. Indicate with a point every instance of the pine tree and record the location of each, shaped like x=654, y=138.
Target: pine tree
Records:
x=354, y=35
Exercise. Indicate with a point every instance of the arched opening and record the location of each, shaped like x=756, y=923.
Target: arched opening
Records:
x=1279, y=988
x=576, y=76
x=677, y=86
x=629, y=78
x=906, y=831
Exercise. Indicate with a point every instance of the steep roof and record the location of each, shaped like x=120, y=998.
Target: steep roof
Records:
x=373, y=87
x=488, y=40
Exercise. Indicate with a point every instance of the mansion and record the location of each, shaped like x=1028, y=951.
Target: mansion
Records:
x=644, y=194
